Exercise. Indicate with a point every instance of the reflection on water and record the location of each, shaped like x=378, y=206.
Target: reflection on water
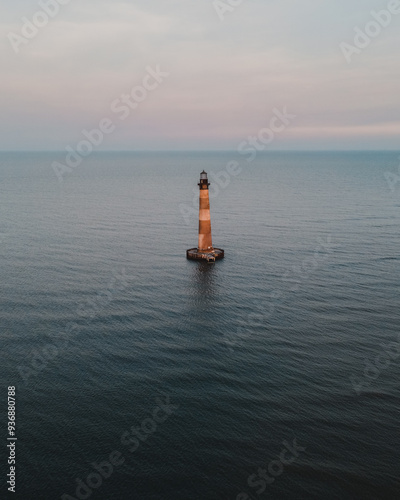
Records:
x=203, y=279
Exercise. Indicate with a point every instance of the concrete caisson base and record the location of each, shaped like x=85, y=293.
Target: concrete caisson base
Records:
x=207, y=255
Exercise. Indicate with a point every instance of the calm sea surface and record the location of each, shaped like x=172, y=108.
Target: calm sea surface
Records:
x=292, y=341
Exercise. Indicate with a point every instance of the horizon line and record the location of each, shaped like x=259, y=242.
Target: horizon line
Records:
x=205, y=151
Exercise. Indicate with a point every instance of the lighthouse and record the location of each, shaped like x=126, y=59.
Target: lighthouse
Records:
x=205, y=250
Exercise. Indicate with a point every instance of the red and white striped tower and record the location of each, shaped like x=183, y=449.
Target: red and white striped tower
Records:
x=205, y=240
x=205, y=249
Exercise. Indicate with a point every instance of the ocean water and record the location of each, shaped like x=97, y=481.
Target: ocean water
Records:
x=291, y=342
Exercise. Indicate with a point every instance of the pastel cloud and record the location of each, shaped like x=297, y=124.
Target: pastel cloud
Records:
x=225, y=77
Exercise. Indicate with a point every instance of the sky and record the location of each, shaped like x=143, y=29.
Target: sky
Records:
x=225, y=71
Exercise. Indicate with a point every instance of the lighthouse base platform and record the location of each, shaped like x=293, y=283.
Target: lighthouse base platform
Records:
x=205, y=255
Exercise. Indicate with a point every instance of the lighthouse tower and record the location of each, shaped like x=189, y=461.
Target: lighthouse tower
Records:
x=205, y=240
x=205, y=249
